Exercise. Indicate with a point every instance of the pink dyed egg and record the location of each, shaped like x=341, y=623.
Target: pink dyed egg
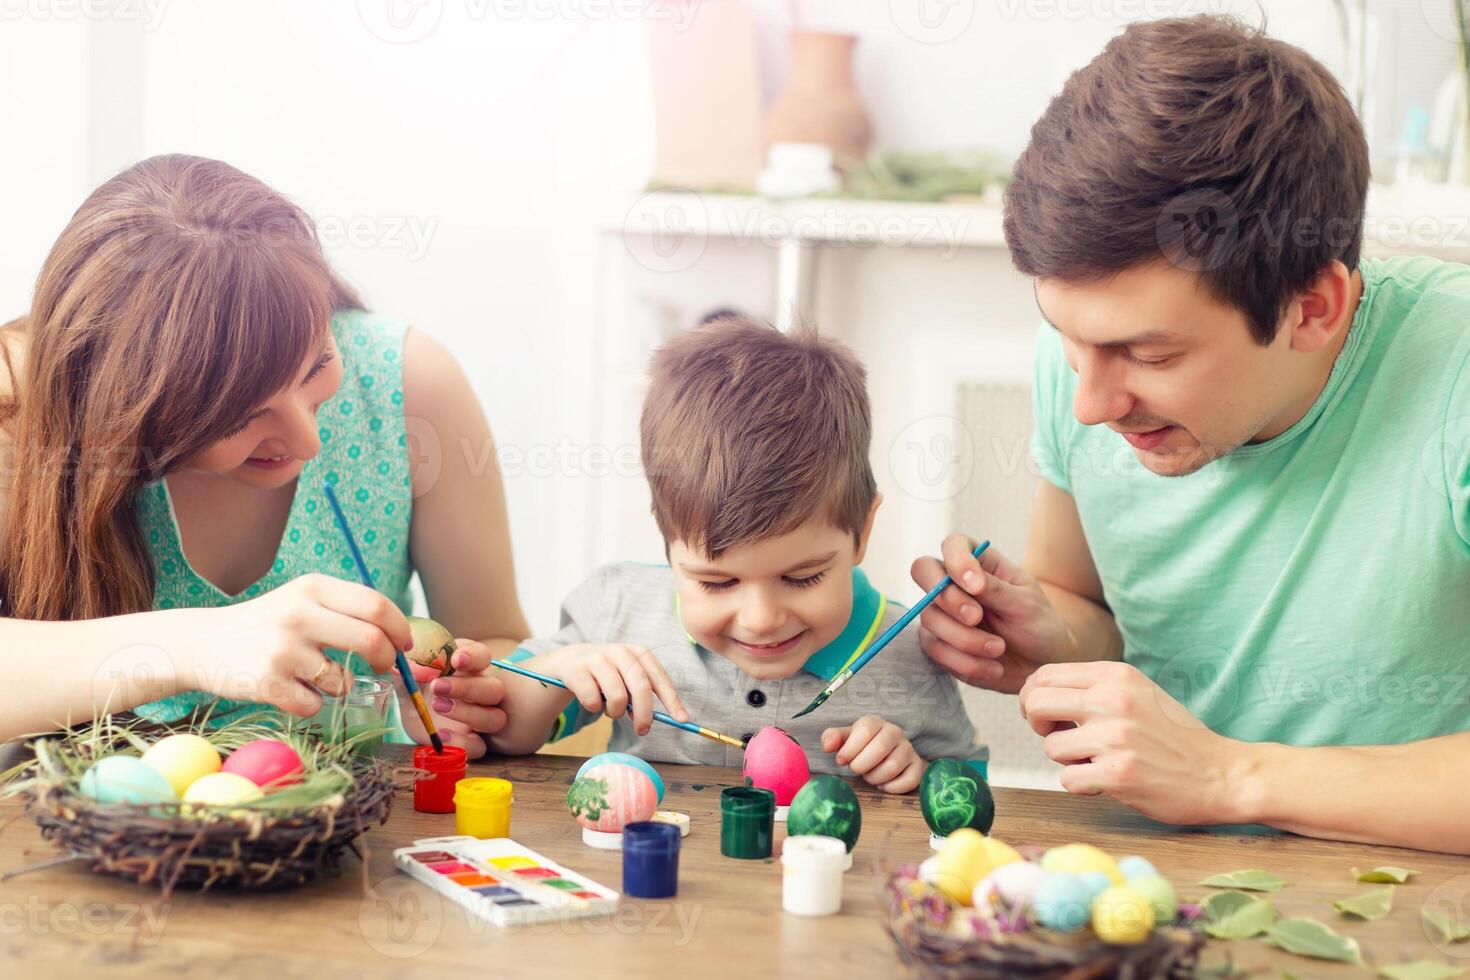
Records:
x=606, y=797
x=774, y=761
x=267, y=762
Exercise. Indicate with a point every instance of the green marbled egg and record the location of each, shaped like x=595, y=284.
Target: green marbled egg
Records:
x=827, y=806
x=953, y=795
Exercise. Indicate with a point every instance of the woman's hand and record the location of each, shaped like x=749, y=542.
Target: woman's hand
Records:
x=271, y=649
x=465, y=705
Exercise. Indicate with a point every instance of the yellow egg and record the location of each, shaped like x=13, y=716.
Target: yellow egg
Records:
x=999, y=852
x=1081, y=858
x=181, y=759
x=1122, y=915
x=220, y=789
x=961, y=863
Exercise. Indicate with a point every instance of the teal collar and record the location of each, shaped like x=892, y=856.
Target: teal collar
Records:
x=868, y=605
x=867, y=615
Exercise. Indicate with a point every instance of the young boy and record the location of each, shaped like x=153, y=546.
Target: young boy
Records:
x=755, y=444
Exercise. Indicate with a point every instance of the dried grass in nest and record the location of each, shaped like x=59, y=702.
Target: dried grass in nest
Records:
x=289, y=838
x=940, y=940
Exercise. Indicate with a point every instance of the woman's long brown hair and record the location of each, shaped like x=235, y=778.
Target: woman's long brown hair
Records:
x=181, y=295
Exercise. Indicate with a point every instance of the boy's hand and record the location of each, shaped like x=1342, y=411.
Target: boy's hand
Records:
x=615, y=679
x=469, y=697
x=878, y=751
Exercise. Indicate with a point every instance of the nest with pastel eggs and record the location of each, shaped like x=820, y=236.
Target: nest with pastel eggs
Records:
x=940, y=939
x=289, y=837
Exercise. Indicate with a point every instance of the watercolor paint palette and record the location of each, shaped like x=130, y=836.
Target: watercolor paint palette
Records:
x=502, y=881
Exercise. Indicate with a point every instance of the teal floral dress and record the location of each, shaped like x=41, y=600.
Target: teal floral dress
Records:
x=364, y=456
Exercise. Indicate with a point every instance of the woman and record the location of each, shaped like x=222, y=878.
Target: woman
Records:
x=189, y=375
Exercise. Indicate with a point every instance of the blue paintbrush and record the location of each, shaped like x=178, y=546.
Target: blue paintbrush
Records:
x=883, y=640
x=667, y=719
x=409, y=683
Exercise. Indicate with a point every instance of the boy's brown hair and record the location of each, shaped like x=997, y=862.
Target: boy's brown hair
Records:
x=1201, y=141
x=748, y=433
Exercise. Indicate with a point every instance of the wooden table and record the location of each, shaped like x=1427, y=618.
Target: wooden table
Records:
x=726, y=920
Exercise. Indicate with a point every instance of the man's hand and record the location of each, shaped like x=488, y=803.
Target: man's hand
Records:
x=994, y=625
x=1121, y=735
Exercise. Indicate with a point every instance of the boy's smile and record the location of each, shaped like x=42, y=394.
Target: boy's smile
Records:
x=769, y=605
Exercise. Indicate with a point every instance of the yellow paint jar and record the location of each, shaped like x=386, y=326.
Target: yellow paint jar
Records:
x=482, y=807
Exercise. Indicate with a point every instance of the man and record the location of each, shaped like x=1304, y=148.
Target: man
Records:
x=1246, y=594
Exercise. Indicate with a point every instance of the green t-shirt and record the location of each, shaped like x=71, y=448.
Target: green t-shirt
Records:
x=1312, y=589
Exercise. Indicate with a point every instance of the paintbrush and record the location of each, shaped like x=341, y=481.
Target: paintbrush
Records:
x=667, y=719
x=883, y=640
x=409, y=683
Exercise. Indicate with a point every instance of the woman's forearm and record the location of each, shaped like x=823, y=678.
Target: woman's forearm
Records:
x=1410, y=795
x=64, y=673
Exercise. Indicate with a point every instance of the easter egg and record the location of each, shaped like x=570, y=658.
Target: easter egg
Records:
x=1062, y=902
x=827, y=807
x=953, y=795
x=1134, y=866
x=999, y=852
x=1160, y=893
x=1012, y=887
x=929, y=869
x=774, y=761
x=1122, y=915
x=1080, y=858
x=624, y=759
x=433, y=645
x=962, y=864
x=182, y=759
x=220, y=789
x=267, y=762
x=610, y=796
x=1096, y=883
x=125, y=779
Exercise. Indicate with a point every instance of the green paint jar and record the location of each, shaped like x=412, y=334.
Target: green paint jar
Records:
x=747, y=822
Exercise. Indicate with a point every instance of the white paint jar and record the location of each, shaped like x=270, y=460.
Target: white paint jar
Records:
x=811, y=874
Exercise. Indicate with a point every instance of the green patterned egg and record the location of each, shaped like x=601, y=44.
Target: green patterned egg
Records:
x=953, y=795
x=827, y=806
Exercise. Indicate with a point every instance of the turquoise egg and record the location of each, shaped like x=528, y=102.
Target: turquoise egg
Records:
x=126, y=779
x=1096, y=883
x=624, y=759
x=1134, y=866
x=1063, y=902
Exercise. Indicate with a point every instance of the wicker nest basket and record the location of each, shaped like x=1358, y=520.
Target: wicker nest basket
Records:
x=271, y=847
x=940, y=940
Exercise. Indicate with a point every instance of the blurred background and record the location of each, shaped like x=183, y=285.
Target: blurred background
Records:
x=552, y=187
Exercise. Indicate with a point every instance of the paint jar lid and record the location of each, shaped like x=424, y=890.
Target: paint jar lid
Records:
x=747, y=801
x=650, y=838
x=424, y=757
x=813, y=852
x=482, y=791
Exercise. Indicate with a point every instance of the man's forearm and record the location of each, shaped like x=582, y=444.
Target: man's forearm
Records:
x=1411, y=795
x=1094, y=632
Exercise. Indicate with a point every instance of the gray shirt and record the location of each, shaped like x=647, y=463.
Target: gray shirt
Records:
x=634, y=603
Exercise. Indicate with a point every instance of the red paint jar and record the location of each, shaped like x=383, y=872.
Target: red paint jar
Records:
x=433, y=787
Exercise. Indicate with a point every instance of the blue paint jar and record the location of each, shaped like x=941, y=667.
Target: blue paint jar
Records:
x=650, y=859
